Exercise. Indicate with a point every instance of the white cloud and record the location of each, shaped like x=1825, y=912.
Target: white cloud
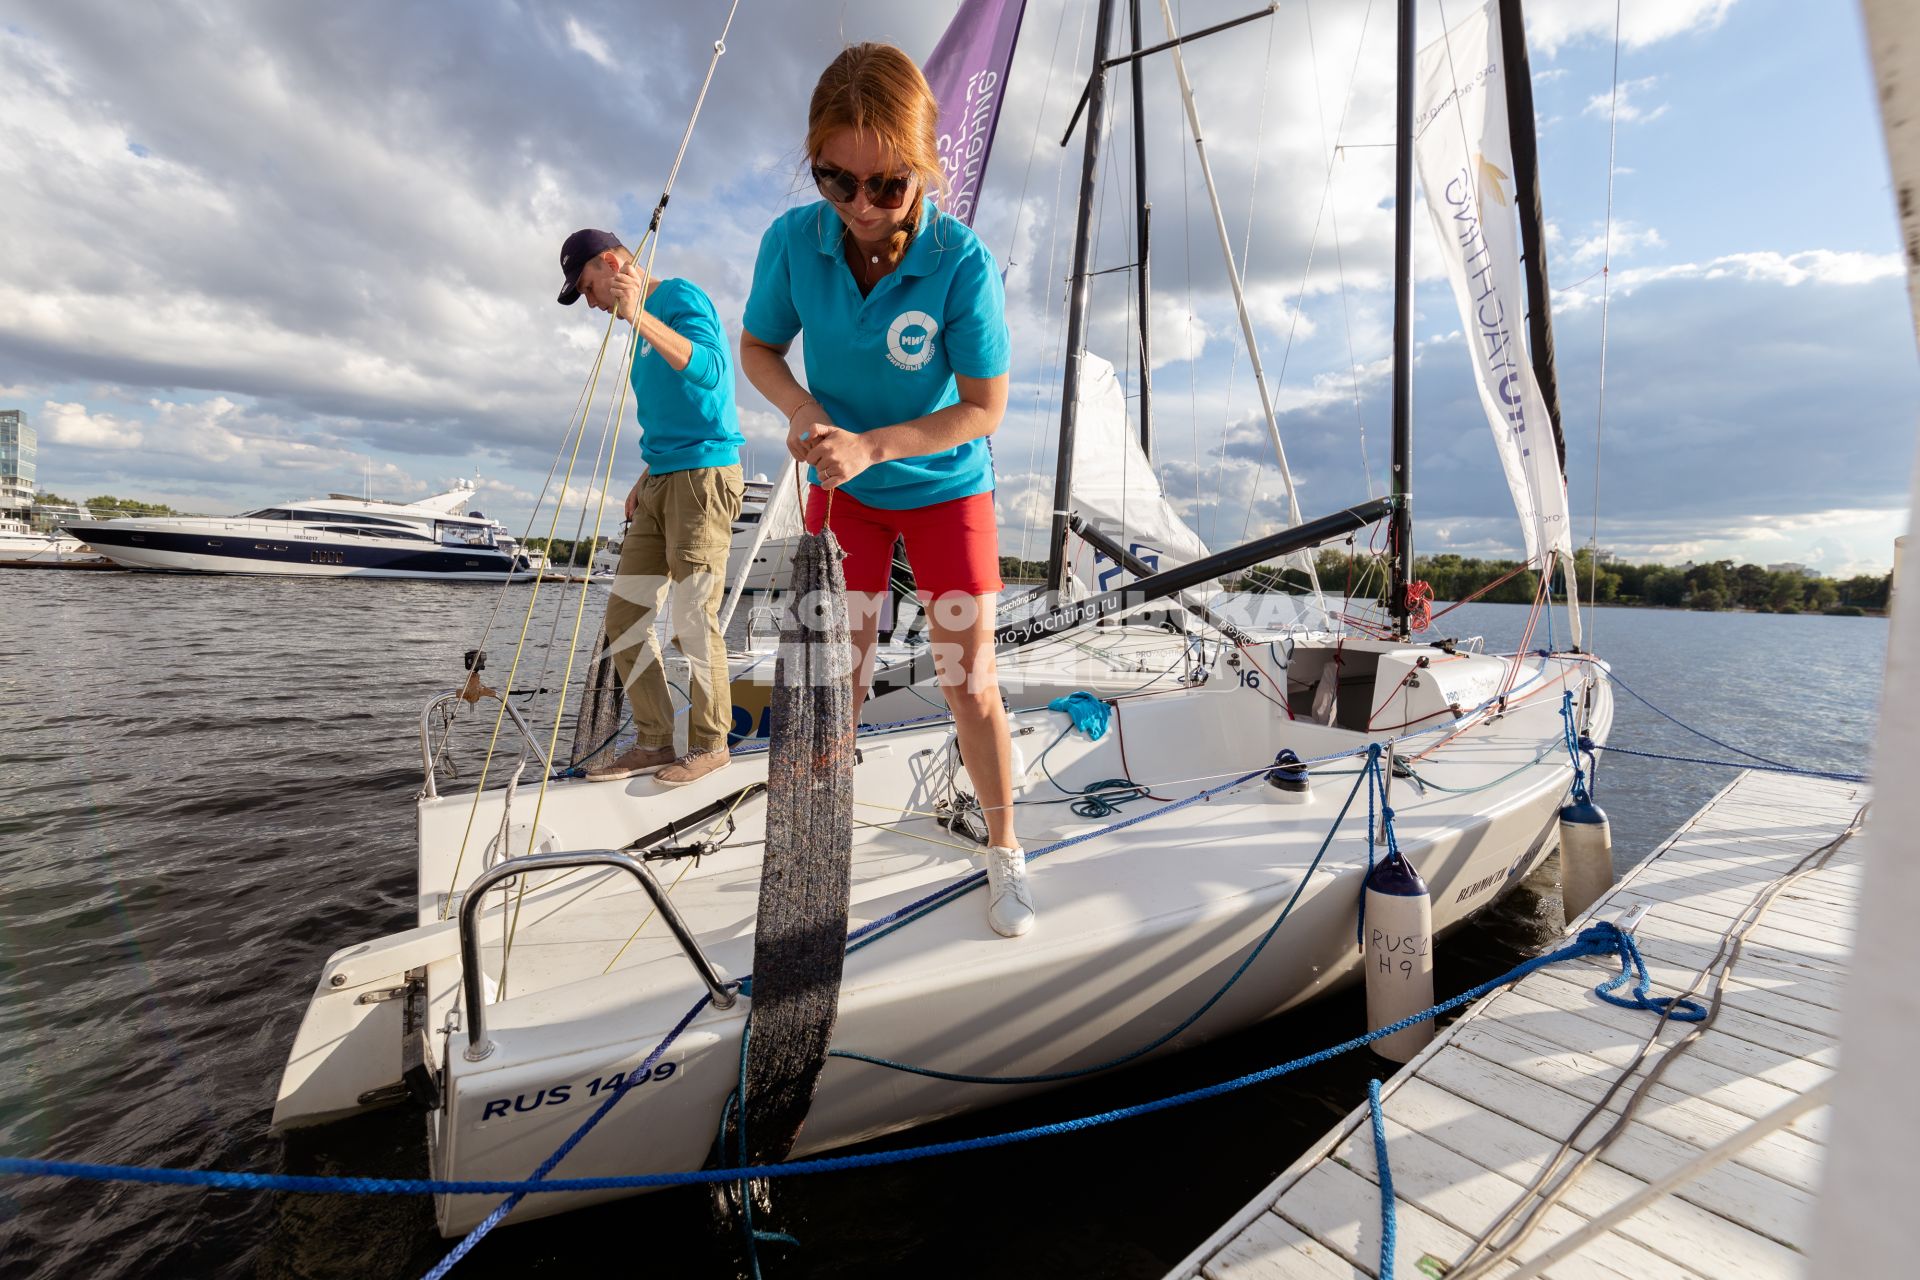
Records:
x=1626, y=240
x=1628, y=107
x=584, y=40
x=1552, y=24
x=1178, y=334
x=1817, y=266
x=1810, y=266
x=71, y=424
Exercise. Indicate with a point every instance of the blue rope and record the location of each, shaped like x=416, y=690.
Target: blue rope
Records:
x=1097, y=799
x=736, y=1106
x=1573, y=741
x=1386, y=1180
x=1698, y=733
x=1360, y=918
x=519, y=1191
x=1678, y=1010
x=1602, y=938
x=1830, y=775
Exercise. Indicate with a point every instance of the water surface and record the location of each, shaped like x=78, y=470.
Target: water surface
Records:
x=206, y=787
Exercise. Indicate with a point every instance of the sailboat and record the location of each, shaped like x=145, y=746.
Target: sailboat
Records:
x=593, y=938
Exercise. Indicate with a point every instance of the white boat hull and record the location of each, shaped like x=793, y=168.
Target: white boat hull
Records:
x=1137, y=927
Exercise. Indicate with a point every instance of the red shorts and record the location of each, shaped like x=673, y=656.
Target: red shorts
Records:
x=951, y=546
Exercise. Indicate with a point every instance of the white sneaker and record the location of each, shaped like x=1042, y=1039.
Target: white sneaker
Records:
x=1009, y=897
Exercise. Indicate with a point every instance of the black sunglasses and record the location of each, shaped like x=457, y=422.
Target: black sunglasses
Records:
x=840, y=186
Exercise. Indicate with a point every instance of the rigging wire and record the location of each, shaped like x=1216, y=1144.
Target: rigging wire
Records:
x=1606, y=277
x=1338, y=153
x=1033, y=146
x=1233, y=364
x=1246, y=254
x=1042, y=393
x=1326, y=191
x=1193, y=373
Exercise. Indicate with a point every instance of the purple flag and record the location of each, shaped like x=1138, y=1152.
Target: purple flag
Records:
x=968, y=72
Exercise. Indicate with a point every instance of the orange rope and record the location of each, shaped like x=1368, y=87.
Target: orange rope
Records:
x=1503, y=578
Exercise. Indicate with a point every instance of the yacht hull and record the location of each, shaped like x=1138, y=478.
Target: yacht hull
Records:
x=291, y=555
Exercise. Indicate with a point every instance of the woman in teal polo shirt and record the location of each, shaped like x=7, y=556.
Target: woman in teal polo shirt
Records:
x=906, y=359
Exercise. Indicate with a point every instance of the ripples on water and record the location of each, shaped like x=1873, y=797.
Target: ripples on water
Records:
x=205, y=788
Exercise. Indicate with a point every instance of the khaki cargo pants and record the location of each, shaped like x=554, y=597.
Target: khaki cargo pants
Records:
x=676, y=547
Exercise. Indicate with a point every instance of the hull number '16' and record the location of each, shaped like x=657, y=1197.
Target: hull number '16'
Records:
x=555, y=1095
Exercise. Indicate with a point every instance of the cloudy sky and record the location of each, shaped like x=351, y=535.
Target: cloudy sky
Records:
x=256, y=252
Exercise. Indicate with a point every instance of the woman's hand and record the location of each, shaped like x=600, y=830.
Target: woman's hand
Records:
x=805, y=422
x=839, y=455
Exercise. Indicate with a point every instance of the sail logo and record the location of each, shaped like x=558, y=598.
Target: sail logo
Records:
x=910, y=340
x=963, y=147
x=1497, y=345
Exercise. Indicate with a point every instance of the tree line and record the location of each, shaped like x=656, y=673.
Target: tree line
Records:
x=1716, y=585
x=107, y=506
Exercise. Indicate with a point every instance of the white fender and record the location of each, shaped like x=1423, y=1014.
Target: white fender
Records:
x=1586, y=856
x=1398, y=955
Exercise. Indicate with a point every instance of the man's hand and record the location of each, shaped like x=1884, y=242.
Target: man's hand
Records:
x=838, y=455
x=629, y=287
x=633, y=497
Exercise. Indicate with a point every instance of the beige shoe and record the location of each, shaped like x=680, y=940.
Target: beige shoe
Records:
x=693, y=766
x=634, y=760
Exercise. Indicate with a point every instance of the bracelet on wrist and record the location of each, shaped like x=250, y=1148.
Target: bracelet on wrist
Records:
x=797, y=408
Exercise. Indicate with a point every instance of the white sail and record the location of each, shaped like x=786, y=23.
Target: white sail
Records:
x=782, y=518
x=1114, y=488
x=1465, y=156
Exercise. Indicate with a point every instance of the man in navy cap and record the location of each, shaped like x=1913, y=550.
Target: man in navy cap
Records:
x=680, y=513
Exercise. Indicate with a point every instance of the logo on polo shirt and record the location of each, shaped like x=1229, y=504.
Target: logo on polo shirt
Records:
x=910, y=340
x=646, y=348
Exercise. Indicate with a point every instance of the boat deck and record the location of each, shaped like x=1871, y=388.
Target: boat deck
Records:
x=1472, y=1120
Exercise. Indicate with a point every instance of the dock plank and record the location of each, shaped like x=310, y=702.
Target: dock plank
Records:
x=1471, y=1122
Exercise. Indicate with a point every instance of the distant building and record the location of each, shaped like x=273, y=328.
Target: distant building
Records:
x=1788, y=566
x=18, y=452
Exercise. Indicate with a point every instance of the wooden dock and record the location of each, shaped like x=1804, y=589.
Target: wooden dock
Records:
x=1471, y=1123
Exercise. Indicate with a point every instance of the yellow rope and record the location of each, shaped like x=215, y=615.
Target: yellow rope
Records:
x=648, y=918
x=576, y=430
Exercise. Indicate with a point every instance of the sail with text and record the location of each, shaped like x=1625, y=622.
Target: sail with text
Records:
x=1465, y=155
x=968, y=74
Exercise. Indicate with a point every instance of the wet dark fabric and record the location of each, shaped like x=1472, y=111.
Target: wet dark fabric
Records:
x=800, y=938
x=602, y=708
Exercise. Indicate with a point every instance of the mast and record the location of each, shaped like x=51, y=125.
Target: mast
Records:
x=1402, y=526
x=1533, y=253
x=1526, y=181
x=1143, y=215
x=1078, y=303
